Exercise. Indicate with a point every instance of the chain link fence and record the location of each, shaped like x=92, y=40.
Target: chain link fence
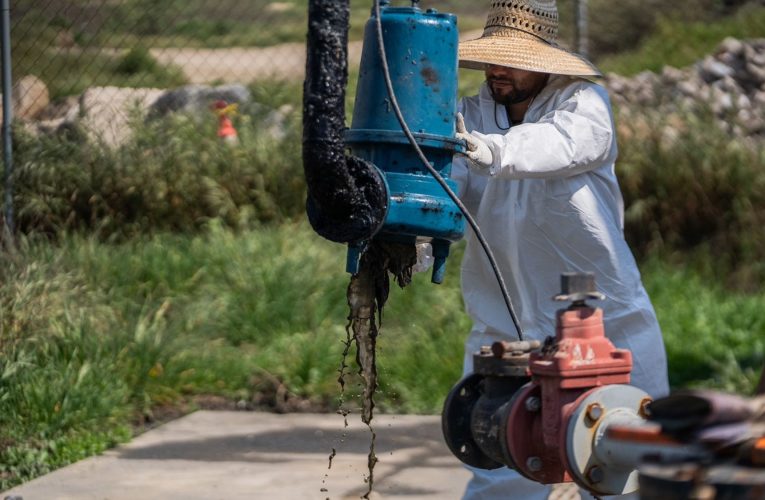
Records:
x=101, y=72
x=62, y=48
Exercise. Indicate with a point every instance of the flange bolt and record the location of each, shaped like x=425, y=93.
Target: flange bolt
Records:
x=534, y=464
x=645, y=410
x=533, y=404
x=595, y=474
x=594, y=412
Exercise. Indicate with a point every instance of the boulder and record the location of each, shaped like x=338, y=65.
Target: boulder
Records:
x=30, y=96
x=67, y=108
x=730, y=83
x=61, y=117
x=107, y=113
x=731, y=46
x=712, y=70
x=196, y=99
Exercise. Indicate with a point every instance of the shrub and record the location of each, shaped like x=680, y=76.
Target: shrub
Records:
x=136, y=60
x=689, y=187
x=174, y=175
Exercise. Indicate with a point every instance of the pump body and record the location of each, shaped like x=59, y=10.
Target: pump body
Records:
x=421, y=50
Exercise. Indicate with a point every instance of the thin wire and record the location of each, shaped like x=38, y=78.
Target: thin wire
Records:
x=437, y=176
x=496, y=122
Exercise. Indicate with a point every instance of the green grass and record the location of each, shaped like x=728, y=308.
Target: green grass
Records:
x=98, y=336
x=715, y=338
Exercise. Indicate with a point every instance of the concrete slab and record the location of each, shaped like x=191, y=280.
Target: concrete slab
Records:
x=232, y=455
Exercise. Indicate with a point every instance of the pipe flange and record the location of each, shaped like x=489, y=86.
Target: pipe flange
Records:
x=456, y=424
x=369, y=200
x=589, y=420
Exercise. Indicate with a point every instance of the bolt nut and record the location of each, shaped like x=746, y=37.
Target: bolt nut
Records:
x=534, y=464
x=644, y=411
x=533, y=404
x=485, y=350
x=594, y=412
x=595, y=474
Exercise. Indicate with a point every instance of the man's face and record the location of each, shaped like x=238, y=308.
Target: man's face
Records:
x=512, y=86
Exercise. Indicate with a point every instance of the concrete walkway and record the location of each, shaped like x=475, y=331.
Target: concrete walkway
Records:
x=231, y=455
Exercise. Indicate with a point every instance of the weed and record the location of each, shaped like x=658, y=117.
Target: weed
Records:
x=136, y=60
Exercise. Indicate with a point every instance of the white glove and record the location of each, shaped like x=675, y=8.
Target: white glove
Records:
x=478, y=151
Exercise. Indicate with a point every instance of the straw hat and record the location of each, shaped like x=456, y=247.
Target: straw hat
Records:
x=521, y=34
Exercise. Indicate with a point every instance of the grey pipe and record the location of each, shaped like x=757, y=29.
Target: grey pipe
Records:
x=5, y=26
x=347, y=198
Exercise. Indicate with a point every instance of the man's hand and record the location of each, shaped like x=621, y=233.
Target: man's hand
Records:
x=477, y=150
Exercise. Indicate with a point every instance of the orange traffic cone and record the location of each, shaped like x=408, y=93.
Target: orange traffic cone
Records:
x=226, y=130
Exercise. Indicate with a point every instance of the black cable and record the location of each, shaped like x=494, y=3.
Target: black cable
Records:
x=496, y=122
x=437, y=176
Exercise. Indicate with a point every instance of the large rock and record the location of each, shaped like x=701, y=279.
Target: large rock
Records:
x=61, y=117
x=730, y=83
x=108, y=113
x=196, y=99
x=30, y=96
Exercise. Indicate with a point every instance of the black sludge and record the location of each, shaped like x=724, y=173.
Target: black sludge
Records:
x=347, y=200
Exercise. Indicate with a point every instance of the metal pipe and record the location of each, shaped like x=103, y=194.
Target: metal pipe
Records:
x=611, y=447
x=5, y=26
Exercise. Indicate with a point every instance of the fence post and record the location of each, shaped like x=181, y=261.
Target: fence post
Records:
x=5, y=26
x=581, y=28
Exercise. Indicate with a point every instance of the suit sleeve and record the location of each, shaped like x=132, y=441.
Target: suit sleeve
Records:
x=577, y=136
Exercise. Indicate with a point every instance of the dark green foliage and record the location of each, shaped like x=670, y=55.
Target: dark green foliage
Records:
x=70, y=70
x=689, y=187
x=174, y=175
x=136, y=60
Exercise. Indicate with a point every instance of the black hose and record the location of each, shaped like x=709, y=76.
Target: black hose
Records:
x=347, y=199
x=437, y=176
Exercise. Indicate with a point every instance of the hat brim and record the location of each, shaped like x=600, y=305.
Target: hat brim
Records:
x=516, y=49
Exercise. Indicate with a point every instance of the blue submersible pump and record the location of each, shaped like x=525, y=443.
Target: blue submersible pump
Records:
x=421, y=54
x=394, y=185
x=382, y=190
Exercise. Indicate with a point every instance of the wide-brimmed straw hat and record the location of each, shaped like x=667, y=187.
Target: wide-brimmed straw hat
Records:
x=522, y=34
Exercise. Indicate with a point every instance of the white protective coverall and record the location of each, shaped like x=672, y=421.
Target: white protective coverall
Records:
x=552, y=205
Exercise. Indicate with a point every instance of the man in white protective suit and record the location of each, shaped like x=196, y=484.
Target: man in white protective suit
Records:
x=539, y=178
